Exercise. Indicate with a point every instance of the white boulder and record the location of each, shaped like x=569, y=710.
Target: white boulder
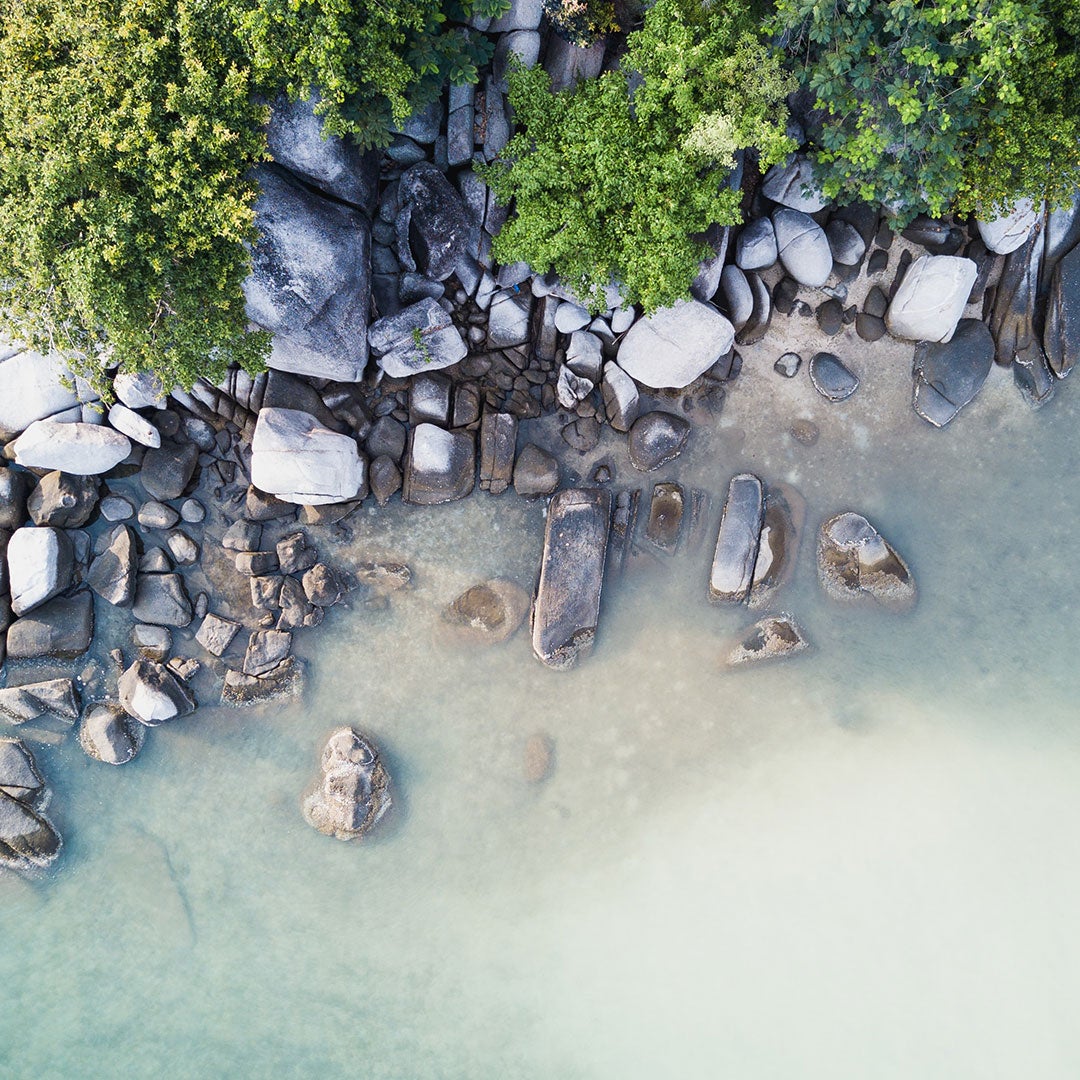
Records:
x=33, y=387
x=297, y=459
x=80, y=449
x=41, y=562
x=931, y=298
x=1003, y=235
x=676, y=344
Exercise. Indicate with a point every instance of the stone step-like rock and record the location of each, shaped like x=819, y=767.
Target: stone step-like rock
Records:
x=498, y=445
x=737, y=542
x=440, y=466
x=566, y=608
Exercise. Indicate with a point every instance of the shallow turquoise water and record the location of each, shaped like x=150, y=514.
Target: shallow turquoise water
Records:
x=860, y=863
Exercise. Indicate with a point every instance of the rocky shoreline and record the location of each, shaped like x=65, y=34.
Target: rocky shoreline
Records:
x=192, y=534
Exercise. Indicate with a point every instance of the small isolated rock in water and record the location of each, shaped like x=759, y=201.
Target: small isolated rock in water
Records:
x=788, y=365
x=665, y=516
x=353, y=792
x=733, y=564
x=539, y=757
x=948, y=375
x=107, y=734
x=931, y=298
x=152, y=694
x=855, y=562
x=804, y=431
x=831, y=379
x=488, y=613
x=771, y=638
x=656, y=438
x=567, y=605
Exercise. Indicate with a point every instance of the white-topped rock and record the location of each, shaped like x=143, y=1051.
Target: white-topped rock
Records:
x=33, y=387
x=135, y=427
x=931, y=298
x=1003, y=235
x=792, y=184
x=297, y=459
x=41, y=563
x=139, y=390
x=675, y=345
x=80, y=449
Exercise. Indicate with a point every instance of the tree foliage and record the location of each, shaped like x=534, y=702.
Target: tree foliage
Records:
x=966, y=105
x=126, y=133
x=618, y=178
x=371, y=64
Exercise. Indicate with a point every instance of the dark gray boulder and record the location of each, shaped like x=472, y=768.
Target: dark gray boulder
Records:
x=112, y=573
x=310, y=280
x=1061, y=337
x=656, y=438
x=297, y=142
x=162, y=600
x=353, y=790
x=167, y=470
x=440, y=465
x=64, y=628
x=948, y=376
x=566, y=608
x=732, y=573
x=831, y=379
x=536, y=472
x=63, y=500
x=14, y=484
x=439, y=224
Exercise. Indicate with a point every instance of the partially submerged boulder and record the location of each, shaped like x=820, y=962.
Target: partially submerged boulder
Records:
x=353, y=792
x=109, y=735
x=62, y=628
x=948, y=375
x=54, y=697
x=732, y=573
x=488, y=613
x=27, y=839
x=152, y=694
x=566, y=609
x=772, y=638
x=855, y=562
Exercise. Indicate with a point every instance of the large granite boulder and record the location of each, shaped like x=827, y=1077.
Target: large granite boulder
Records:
x=62, y=628
x=353, y=791
x=297, y=142
x=1061, y=337
x=931, y=298
x=139, y=390
x=948, y=375
x=420, y=337
x=32, y=387
x=855, y=562
x=109, y=735
x=803, y=247
x=62, y=500
x=297, y=459
x=440, y=466
x=566, y=608
x=152, y=694
x=310, y=280
x=438, y=222
x=732, y=574
x=675, y=345
x=1003, y=235
x=77, y=448
x=41, y=565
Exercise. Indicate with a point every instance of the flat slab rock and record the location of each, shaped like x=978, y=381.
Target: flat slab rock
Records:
x=772, y=638
x=732, y=574
x=353, y=791
x=855, y=562
x=948, y=375
x=566, y=609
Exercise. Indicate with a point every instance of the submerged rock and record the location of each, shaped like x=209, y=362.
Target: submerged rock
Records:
x=539, y=757
x=566, y=609
x=771, y=638
x=19, y=776
x=285, y=680
x=778, y=542
x=27, y=840
x=353, y=792
x=109, y=735
x=856, y=562
x=488, y=613
x=57, y=697
x=665, y=516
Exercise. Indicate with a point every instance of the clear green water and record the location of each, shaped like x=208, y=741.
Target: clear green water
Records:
x=861, y=863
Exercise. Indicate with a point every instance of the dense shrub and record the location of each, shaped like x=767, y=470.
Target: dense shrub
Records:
x=617, y=179
x=581, y=22
x=957, y=104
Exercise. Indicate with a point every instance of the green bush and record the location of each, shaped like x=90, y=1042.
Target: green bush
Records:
x=964, y=105
x=617, y=179
x=126, y=133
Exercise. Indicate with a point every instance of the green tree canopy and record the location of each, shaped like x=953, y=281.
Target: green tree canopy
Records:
x=964, y=105
x=617, y=179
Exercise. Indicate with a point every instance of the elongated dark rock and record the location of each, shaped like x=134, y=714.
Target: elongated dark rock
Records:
x=567, y=605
